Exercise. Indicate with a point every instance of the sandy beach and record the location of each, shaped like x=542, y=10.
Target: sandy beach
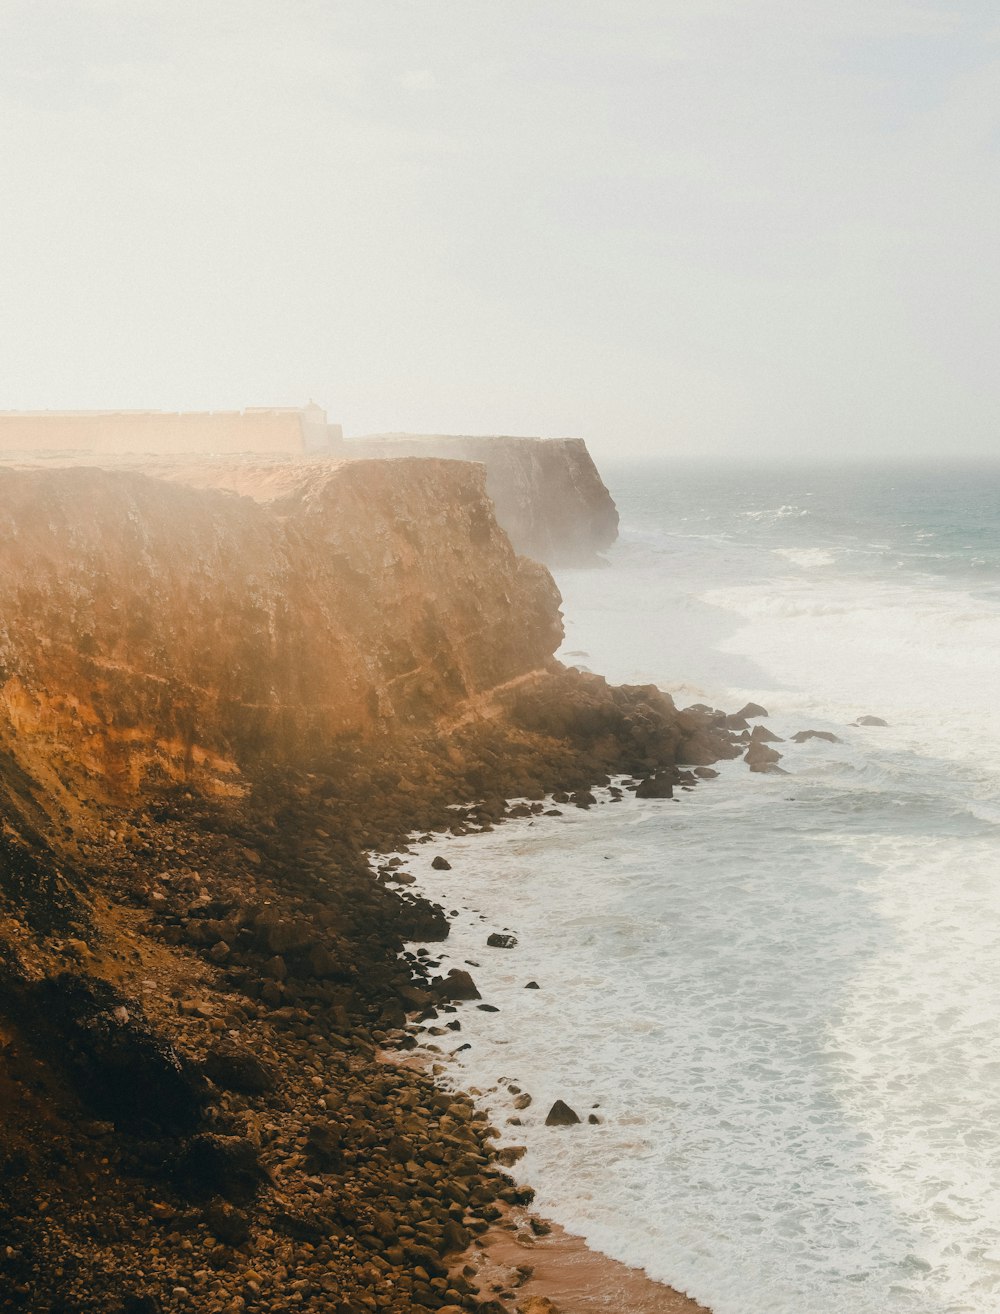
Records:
x=564, y=1269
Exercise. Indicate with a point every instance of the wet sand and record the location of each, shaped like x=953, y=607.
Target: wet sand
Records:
x=575, y=1278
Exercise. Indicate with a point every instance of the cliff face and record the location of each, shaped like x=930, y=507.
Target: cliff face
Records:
x=548, y=494
x=152, y=632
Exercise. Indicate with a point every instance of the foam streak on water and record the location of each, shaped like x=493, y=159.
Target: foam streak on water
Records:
x=782, y=992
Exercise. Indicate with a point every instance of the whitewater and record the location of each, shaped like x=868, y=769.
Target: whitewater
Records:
x=778, y=996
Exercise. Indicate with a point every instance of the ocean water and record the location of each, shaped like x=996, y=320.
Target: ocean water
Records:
x=779, y=994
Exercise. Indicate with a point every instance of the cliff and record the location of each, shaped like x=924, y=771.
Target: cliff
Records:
x=152, y=632
x=548, y=494
x=214, y=701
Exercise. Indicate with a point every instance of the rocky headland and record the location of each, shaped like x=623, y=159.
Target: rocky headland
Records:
x=219, y=693
x=548, y=493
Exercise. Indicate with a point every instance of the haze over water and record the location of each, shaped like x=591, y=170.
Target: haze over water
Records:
x=782, y=991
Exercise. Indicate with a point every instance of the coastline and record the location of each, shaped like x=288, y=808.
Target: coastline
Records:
x=575, y=1278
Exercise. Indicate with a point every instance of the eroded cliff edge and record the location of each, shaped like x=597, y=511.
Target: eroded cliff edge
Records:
x=548, y=493
x=211, y=705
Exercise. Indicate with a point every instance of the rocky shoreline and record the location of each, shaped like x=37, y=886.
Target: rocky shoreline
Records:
x=196, y=1114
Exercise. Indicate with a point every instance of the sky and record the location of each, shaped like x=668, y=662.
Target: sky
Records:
x=725, y=228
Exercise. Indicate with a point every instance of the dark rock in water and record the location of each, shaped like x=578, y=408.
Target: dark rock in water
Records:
x=593, y=1119
x=761, y=735
x=870, y=720
x=583, y=798
x=234, y=1067
x=441, y=864
x=751, y=711
x=658, y=786
x=736, y=723
x=501, y=940
x=220, y=1165
x=561, y=1115
x=519, y=810
x=532, y=985
x=458, y=984
x=761, y=758
x=801, y=736
x=488, y=1008
x=706, y=773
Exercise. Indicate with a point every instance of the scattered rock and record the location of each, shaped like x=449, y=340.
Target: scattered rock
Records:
x=751, y=711
x=560, y=1115
x=659, y=785
x=501, y=940
x=228, y=1166
x=234, y=1067
x=801, y=736
x=532, y=985
x=761, y=735
x=458, y=984
x=870, y=720
x=761, y=758
x=538, y=1305
x=441, y=864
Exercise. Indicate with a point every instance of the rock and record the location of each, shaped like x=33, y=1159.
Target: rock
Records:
x=126, y=1071
x=751, y=711
x=706, y=773
x=148, y=1304
x=583, y=798
x=538, y=1305
x=761, y=735
x=501, y=940
x=275, y=968
x=234, y=1067
x=532, y=985
x=801, y=736
x=658, y=786
x=225, y=1221
x=870, y=720
x=458, y=984
x=441, y=864
x=761, y=758
x=510, y=1154
x=221, y=1165
x=560, y=1115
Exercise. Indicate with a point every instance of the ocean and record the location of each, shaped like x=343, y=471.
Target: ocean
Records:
x=778, y=994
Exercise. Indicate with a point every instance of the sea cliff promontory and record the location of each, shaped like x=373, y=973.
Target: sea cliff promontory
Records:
x=218, y=694
x=548, y=493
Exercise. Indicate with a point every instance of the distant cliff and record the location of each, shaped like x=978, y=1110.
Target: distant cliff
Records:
x=548, y=494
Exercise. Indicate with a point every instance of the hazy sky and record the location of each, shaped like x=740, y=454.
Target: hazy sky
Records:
x=674, y=225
